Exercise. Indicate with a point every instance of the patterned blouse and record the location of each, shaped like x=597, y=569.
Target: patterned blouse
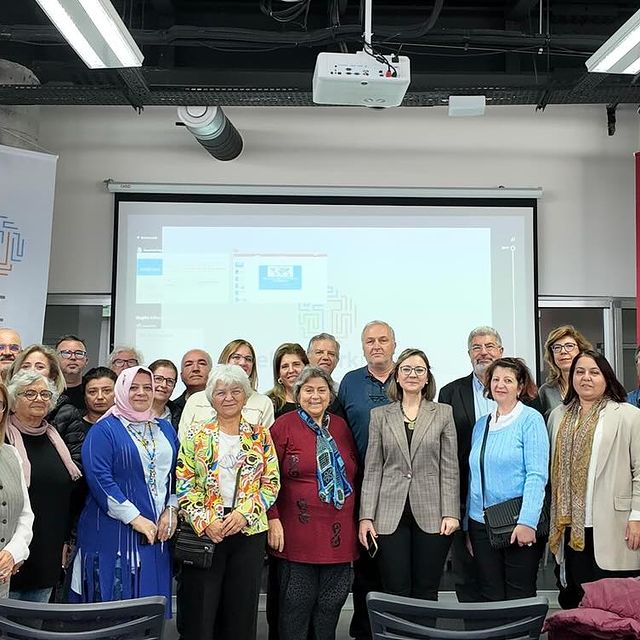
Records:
x=198, y=485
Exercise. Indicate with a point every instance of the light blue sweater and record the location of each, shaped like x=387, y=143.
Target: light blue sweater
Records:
x=516, y=463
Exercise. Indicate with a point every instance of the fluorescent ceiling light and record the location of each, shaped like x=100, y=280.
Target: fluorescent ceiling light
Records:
x=621, y=52
x=94, y=29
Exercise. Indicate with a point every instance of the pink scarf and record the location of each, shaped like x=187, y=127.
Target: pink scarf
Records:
x=15, y=429
x=122, y=407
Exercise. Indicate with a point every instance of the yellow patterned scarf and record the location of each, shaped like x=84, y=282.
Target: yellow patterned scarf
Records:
x=569, y=471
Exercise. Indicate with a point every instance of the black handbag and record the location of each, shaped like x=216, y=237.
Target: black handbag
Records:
x=501, y=519
x=191, y=549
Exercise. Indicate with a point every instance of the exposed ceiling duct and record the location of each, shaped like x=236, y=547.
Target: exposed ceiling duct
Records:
x=213, y=130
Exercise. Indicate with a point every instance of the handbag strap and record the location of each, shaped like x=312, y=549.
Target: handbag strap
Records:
x=235, y=489
x=482, y=449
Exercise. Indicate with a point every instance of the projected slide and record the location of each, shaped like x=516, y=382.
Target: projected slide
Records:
x=200, y=274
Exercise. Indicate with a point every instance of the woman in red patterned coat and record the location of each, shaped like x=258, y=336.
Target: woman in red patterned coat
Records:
x=312, y=526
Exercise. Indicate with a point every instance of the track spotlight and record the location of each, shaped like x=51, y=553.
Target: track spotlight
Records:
x=212, y=129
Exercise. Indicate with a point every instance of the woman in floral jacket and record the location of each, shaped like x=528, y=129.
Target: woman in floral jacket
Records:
x=227, y=478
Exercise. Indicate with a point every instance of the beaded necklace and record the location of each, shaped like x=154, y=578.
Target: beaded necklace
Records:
x=411, y=424
x=148, y=443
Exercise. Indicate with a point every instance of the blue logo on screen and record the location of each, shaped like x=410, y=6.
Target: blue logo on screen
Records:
x=276, y=277
x=149, y=267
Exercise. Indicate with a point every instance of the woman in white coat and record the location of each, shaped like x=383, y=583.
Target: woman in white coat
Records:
x=595, y=478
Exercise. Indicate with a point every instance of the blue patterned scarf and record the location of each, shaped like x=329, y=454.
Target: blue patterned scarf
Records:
x=333, y=486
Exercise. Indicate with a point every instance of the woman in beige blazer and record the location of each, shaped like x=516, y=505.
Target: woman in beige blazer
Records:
x=410, y=492
x=595, y=478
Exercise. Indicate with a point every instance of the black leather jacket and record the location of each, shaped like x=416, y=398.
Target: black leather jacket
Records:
x=68, y=421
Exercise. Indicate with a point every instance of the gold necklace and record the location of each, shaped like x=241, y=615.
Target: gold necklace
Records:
x=411, y=424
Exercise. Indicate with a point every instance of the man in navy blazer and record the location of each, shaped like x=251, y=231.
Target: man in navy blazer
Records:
x=466, y=398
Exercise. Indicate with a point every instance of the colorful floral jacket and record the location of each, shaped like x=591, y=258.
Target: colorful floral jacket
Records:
x=198, y=488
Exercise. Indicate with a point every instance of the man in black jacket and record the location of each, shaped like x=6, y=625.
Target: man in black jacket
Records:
x=73, y=360
x=466, y=397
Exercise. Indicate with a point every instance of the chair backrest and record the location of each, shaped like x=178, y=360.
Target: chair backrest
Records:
x=399, y=618
x=142, y=618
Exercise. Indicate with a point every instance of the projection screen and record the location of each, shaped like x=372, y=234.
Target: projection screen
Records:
x=201, y=270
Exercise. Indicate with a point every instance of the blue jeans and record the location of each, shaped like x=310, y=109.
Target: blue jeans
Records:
x=32, y=595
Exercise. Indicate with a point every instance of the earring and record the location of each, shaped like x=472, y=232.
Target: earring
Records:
x=279, y=380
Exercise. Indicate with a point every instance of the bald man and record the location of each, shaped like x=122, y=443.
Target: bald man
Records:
x=10, y=347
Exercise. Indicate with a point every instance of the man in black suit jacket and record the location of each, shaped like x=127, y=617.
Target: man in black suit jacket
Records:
x=465, y=396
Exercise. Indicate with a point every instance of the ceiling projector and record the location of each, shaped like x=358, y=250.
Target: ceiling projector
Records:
x=360, y=79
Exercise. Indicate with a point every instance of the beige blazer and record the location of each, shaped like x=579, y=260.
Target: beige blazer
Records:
x=427, y=473
x=617, y=483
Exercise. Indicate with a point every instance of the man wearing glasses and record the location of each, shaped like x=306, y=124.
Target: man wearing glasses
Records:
x=10, y=347
x=360, y=391
x=466, y=398
x=73, y=360
x=124, y=357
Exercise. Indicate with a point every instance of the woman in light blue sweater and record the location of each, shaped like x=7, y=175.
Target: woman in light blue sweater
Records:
x=516, y=464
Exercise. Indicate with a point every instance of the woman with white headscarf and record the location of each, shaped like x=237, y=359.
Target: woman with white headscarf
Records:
x=129, y=459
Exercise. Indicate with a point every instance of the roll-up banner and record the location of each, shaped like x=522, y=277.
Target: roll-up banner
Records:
x=27, y=184
x=637, y=160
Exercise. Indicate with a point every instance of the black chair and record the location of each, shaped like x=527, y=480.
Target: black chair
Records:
x=399, y=618
x=142, y=618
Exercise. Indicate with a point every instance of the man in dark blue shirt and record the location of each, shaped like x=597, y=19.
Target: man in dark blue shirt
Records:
x=363, y=389
x=360, y=391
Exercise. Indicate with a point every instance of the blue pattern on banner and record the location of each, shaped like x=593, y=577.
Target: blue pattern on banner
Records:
x=11, y=245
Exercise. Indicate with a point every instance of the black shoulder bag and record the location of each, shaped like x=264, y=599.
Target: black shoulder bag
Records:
x=501, y=519
x=193, y=550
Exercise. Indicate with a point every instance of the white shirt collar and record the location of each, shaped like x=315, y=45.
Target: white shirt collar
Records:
x=499, y=422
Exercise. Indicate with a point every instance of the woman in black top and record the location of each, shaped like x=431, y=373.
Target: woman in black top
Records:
x=50, y=474
x=62, y=414
x=98, y=393
x=288, y=361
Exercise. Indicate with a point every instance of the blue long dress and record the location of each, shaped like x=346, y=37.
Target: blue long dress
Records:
x=111, y=563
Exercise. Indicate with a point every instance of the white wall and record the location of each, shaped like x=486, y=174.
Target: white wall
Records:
x=586, y=222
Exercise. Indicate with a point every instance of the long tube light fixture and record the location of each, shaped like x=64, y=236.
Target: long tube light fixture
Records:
x=95, y=31
x=621, y=52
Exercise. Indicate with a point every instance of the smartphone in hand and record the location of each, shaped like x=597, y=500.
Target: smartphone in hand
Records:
x=372, y=545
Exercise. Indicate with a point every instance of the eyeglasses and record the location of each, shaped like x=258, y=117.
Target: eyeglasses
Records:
x=569, y=347
x=67, y=353
x=237, y=357
x=235, y=394
x=32, y=394
x=14, y=348
x=321, y=352
x=490, y=346
x=170, y=382
x=406, y=370
x=120, y=362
